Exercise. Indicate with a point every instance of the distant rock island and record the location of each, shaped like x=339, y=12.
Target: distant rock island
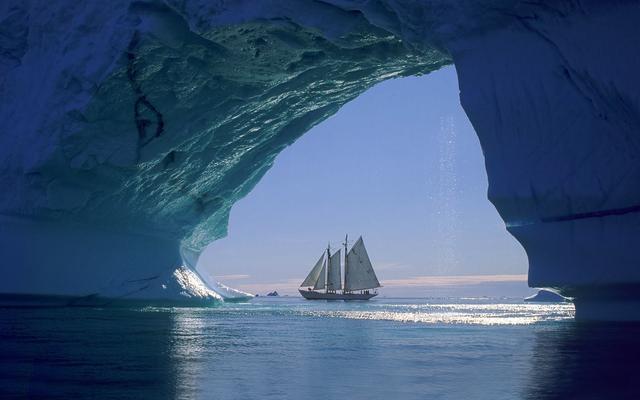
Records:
x=273, y=294
x=546, y=296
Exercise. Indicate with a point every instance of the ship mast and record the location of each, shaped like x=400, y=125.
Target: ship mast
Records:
x=344, y=290
x=326, y=281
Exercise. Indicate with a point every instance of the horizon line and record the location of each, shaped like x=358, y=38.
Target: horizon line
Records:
x=426, y=281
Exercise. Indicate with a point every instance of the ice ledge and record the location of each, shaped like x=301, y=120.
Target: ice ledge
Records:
x=546, y=296
x=181, y=285
x=84, y=265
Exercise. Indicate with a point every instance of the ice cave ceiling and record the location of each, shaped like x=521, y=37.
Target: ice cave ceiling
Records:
x=167, y=133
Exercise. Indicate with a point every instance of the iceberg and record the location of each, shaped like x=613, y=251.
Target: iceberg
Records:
x=545, y=296
x=128, y=128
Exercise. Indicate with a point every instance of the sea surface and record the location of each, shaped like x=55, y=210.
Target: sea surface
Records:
x=289, y=348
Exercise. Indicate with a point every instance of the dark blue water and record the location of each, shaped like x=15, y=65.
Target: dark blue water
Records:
x=295, y=349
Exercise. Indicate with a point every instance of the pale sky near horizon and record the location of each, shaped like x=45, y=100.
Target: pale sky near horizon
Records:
x=401, y=166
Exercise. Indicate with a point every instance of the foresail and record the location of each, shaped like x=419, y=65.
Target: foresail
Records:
x=359, y=272
x=321, y=282
x=311, y=279
x=334, y=281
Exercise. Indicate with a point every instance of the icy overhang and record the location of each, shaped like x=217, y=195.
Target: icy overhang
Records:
x=157, y=117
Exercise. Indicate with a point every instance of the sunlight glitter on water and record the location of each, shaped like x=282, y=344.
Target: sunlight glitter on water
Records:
x=422, y=348
x=468, y=314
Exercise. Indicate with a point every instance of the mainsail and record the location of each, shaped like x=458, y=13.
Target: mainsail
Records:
x=324, y=282
x=321, y=282
x=358, y=272
x=334, y=282
x=313, y=276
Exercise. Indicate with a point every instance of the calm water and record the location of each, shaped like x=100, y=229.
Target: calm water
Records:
x=292, y=349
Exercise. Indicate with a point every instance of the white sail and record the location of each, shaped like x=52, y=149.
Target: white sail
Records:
x=320, y=283
x=334, y=281
x=358, y=273
x=312, y=278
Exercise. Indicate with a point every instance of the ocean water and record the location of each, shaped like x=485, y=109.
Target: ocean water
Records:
x=289, y=348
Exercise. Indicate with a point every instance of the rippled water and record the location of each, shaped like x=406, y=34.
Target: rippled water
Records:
x=290, y=348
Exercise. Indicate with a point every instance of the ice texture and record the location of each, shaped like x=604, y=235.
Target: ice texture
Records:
x=554, y=99
x=140, y=123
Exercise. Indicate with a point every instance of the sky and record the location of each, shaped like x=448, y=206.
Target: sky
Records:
x=400, y=165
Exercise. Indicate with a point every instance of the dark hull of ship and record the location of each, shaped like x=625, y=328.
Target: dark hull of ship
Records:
x=313, y=295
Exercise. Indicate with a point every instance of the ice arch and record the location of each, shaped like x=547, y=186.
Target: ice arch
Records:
x=129, y=128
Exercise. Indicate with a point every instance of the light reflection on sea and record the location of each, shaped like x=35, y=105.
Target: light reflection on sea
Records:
x=472, y=314
x=471, y=311
x=287, y=348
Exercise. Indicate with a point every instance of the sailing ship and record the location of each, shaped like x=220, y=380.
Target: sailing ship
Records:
x=324, y=282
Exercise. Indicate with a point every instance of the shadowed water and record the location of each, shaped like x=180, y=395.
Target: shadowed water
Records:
x=291, y=349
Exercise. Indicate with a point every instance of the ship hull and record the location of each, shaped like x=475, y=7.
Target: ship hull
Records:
x=313, y=295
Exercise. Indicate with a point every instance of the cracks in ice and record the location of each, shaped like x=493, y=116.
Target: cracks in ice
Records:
x=577, y=216
x=142, y=107
x=143, y=279
x=609, y=105
x=14, y=32
x=593, y=214
x=586, y=85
